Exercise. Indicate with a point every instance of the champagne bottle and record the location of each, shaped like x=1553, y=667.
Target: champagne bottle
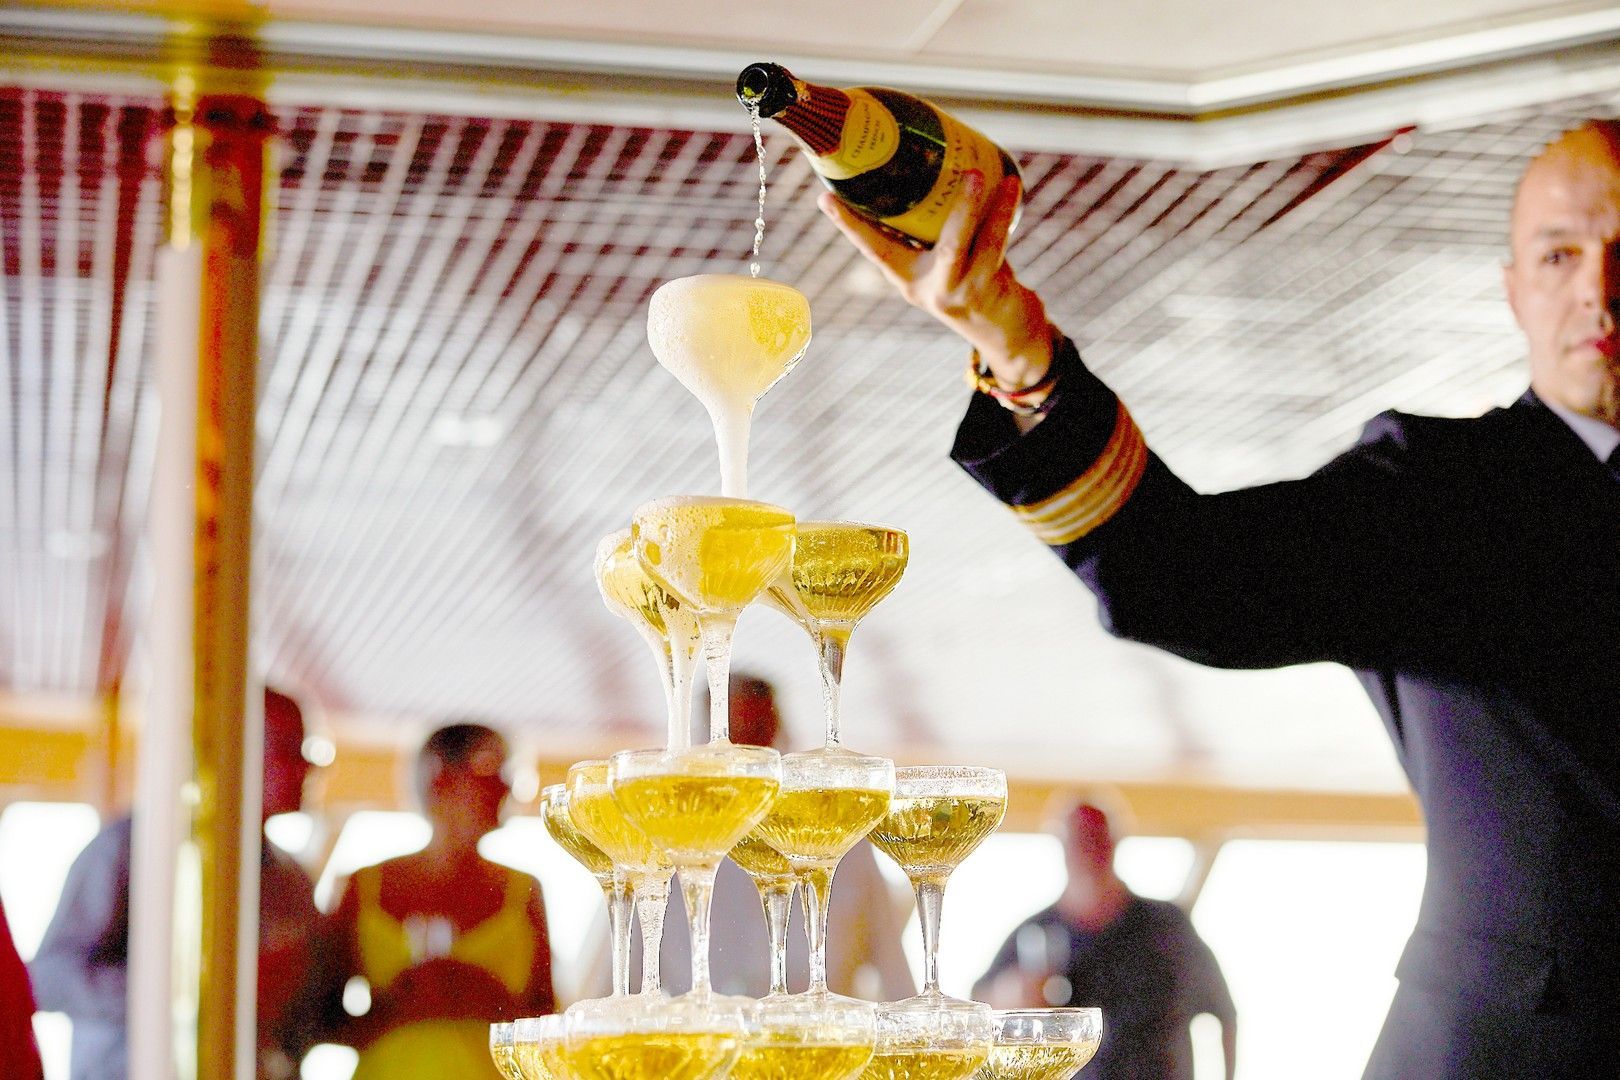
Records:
x=893, y=157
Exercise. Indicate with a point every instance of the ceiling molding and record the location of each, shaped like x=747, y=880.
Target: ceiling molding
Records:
x=1224, y=120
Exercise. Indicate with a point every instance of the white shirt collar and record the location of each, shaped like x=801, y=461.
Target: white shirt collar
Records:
x=1598, y=436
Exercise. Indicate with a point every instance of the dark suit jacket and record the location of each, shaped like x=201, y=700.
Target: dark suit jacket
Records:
x=1468, y=571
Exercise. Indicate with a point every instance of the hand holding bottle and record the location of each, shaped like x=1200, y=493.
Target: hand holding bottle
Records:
x=964, y=280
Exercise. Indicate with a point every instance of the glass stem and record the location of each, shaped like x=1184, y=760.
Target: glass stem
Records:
x=817, y=882
x=682, y=654
x=833, y=642
x=777, y=899
x=697, y=889
x=930, y=898
x=717, y=663
x=617, y=892
x=674, y=659
x=652, y=897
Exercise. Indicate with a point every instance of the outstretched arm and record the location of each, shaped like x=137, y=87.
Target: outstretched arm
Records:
x=964, y=280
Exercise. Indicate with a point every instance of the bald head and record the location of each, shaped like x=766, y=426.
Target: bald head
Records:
x=1563, y=277
x=1583, y=161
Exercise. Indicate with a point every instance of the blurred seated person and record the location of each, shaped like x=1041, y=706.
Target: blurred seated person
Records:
x=864, y=958
x=1138, y=960
x=448, y=941
x=81, y=968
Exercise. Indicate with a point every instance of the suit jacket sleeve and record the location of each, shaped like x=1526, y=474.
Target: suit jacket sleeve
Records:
x=1324, y=568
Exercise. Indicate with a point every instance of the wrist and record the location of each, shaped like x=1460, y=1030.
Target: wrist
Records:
x=1015, y=339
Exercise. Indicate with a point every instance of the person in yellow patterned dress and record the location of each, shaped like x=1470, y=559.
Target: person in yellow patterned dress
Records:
x=448, y=941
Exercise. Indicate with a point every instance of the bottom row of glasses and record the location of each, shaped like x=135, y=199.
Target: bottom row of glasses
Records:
x=786, y=1038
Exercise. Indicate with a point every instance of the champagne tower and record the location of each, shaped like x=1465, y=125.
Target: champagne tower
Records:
x=892, y=156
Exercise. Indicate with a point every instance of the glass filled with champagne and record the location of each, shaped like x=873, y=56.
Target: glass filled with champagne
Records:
x=503, y=1051
x=668, y=626
x=939, y=814
x=614, y=882
x=728, y=339
x=717, y=555
x=830, y=799
x=1041, y=1044
x=797, y=1038
x=538, y=1041
x=599, y=818
x=840, y=571
x=928, y=1039
x=694, y=805
x=679, y=1039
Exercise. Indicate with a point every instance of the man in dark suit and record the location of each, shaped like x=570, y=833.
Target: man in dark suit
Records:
x=1467, y=570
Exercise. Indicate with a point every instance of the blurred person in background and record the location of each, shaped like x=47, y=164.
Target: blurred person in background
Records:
x=19, y=1053
x=1466, y=569
x=81, y=968
x=864, y=958
x=448, y=941
x=1101, y=945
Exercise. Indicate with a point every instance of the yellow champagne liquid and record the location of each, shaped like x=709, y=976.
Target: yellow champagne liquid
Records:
x=530, y=1063
x=822, y=823
x=506, y=1061
x=934, y=833
x=650, y=1056
x=758, y=859
x=602, y=822
x=717, y=553
x=695, y=814
x=923, y=1063
x=631, y=594
x=841, y=569
x=787, y=1059
x=570, y=839
x=1037, y=1061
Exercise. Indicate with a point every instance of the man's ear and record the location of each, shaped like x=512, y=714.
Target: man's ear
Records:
x=1508, y=288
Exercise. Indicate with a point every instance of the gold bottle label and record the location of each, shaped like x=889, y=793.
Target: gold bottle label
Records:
x=869, y=138
x=964, y=149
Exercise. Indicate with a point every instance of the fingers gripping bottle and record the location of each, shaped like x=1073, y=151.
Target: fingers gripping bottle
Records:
x=893, y=157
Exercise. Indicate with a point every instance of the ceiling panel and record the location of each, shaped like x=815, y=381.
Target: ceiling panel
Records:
x=457, y=400
x=1194, y=39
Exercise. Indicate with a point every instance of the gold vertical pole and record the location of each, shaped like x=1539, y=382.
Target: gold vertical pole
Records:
x=218, y=154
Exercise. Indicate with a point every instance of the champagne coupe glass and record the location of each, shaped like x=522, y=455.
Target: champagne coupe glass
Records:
x=539, y=1043
x=795, y=1038
x=613, y=881
x=841, y=569
x=830, y=799
x=772, y=875
x=926, y=1039
x=503, y=1051
x=1041, y=1044
x=673, y=1039
x=728, y=339
x=939, y=814
x=694, y=805
x=667, y=624
x=717, y=555
x=594, y=812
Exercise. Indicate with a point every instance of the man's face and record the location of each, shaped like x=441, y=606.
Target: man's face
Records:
x=285, y=768
x=1563, y=282
x=1088, y=842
